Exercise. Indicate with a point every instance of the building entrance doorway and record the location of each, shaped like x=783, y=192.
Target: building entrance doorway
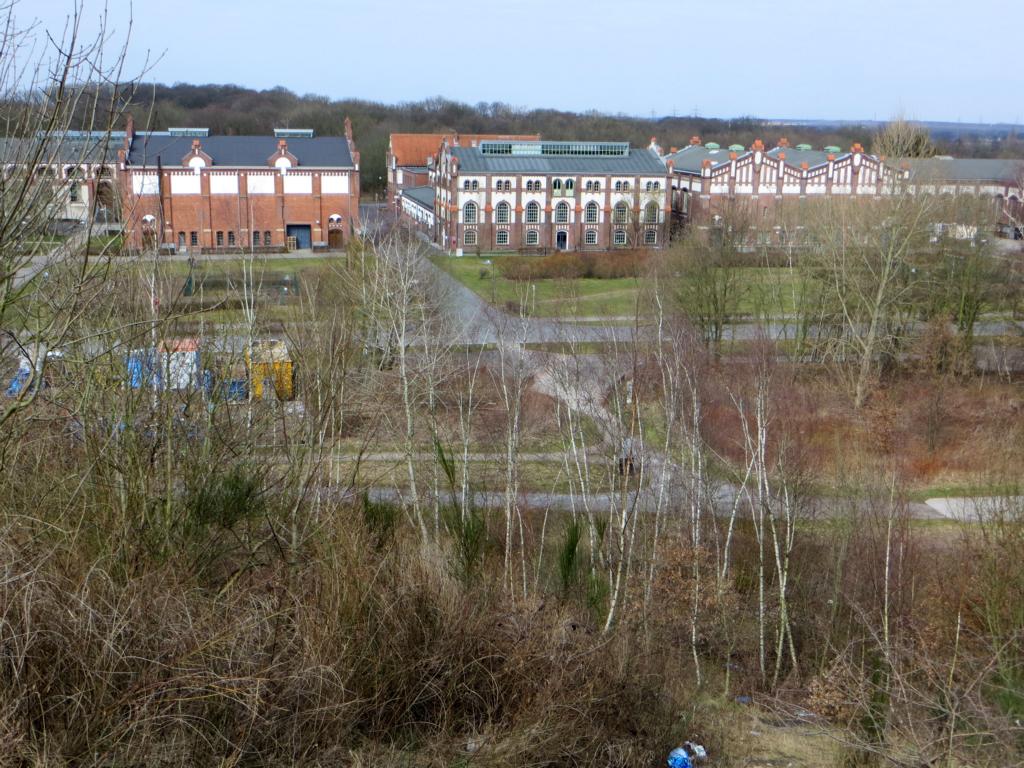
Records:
x=335, y=239
x=303, y=234
x=562, y=240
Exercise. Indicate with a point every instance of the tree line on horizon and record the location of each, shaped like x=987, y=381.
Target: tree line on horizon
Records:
x=237, y=110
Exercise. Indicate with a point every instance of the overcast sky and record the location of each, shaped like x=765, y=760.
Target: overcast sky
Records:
x=830, y=59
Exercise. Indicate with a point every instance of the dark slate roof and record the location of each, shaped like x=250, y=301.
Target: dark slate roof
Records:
x=797, y=157
x=954, y=169
x=691, y=158
x=62, y=150
x=240, y=151
x=638, y=161
x=415, y=168
x=424, y=196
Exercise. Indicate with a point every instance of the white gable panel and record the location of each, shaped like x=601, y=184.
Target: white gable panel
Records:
x=145, y=184
x=260, y=184
x=335, y=185
x=223, y=184
x=184, y=184
x=298, y=185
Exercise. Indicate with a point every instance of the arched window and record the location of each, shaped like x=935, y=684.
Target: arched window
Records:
x=465, y=185
x=181, y=239
x=651, y=213
x=590, y=186
x=503, y=213
x=620, y=214
x=149, y=220
x=475, y=185
x=532, y=237
x=590, y=213
x=625, y=186
x=657, y=186
x=266, y=237
x=502, y=238
x=651, y=237
x=556, y=185
x=334, y=218
x=508, y=185
x=470, y=237
x=618, y=186
x=562, y=213
x=529, y=186
x=650, y=186
x=619, y=238
x=469, y=212
x=231, y=238
x=532, y=212
x=590, y=238
x=568, y=185
x=597, y=186
x=255, y=239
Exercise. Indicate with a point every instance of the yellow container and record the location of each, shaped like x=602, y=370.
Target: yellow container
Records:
x=271, y=371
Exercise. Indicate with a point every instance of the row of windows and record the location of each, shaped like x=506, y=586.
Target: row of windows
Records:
x=589, y=237
x=503, y=213
x=557, y=184
x=193, y=238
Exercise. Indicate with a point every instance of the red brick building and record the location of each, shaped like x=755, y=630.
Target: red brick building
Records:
x=549, y=195
x=707, y=178
x=410, y=154
x=183, y=189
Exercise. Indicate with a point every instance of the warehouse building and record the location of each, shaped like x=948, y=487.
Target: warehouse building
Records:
x=183, y=189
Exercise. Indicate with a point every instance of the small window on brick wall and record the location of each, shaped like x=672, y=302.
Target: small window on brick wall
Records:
x=591, y=237
x=266, y=237
x=220, y=239
x=469, y=238
x=193, y=238
x=532, y=237
x=255, y=239
x=502, y=238
x=231, y=238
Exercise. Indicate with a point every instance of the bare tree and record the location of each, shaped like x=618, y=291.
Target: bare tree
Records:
x=60, y=109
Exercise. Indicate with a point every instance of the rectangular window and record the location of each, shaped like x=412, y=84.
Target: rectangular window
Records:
x=193, y=238
x=532, y=237
x=470, y=237
x=255, y=239
x=220, y=239
x=73, y=192
x=231, y=238
x=620, y=237
x=591, y=237
x=503, y=238
x=266, y=237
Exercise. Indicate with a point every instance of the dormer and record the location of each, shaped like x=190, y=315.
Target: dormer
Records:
x=196, y=159
x=282, y=159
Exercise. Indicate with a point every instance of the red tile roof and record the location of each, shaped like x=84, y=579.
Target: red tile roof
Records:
x=415, y=148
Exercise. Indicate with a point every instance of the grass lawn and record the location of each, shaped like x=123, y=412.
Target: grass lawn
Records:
x=584, y=297
x=107, y=245
x=763, y=292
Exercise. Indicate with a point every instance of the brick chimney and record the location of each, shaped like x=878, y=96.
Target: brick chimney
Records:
x=783, y=141
x=857, y=148
x=758, y=146
x=694, y=141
